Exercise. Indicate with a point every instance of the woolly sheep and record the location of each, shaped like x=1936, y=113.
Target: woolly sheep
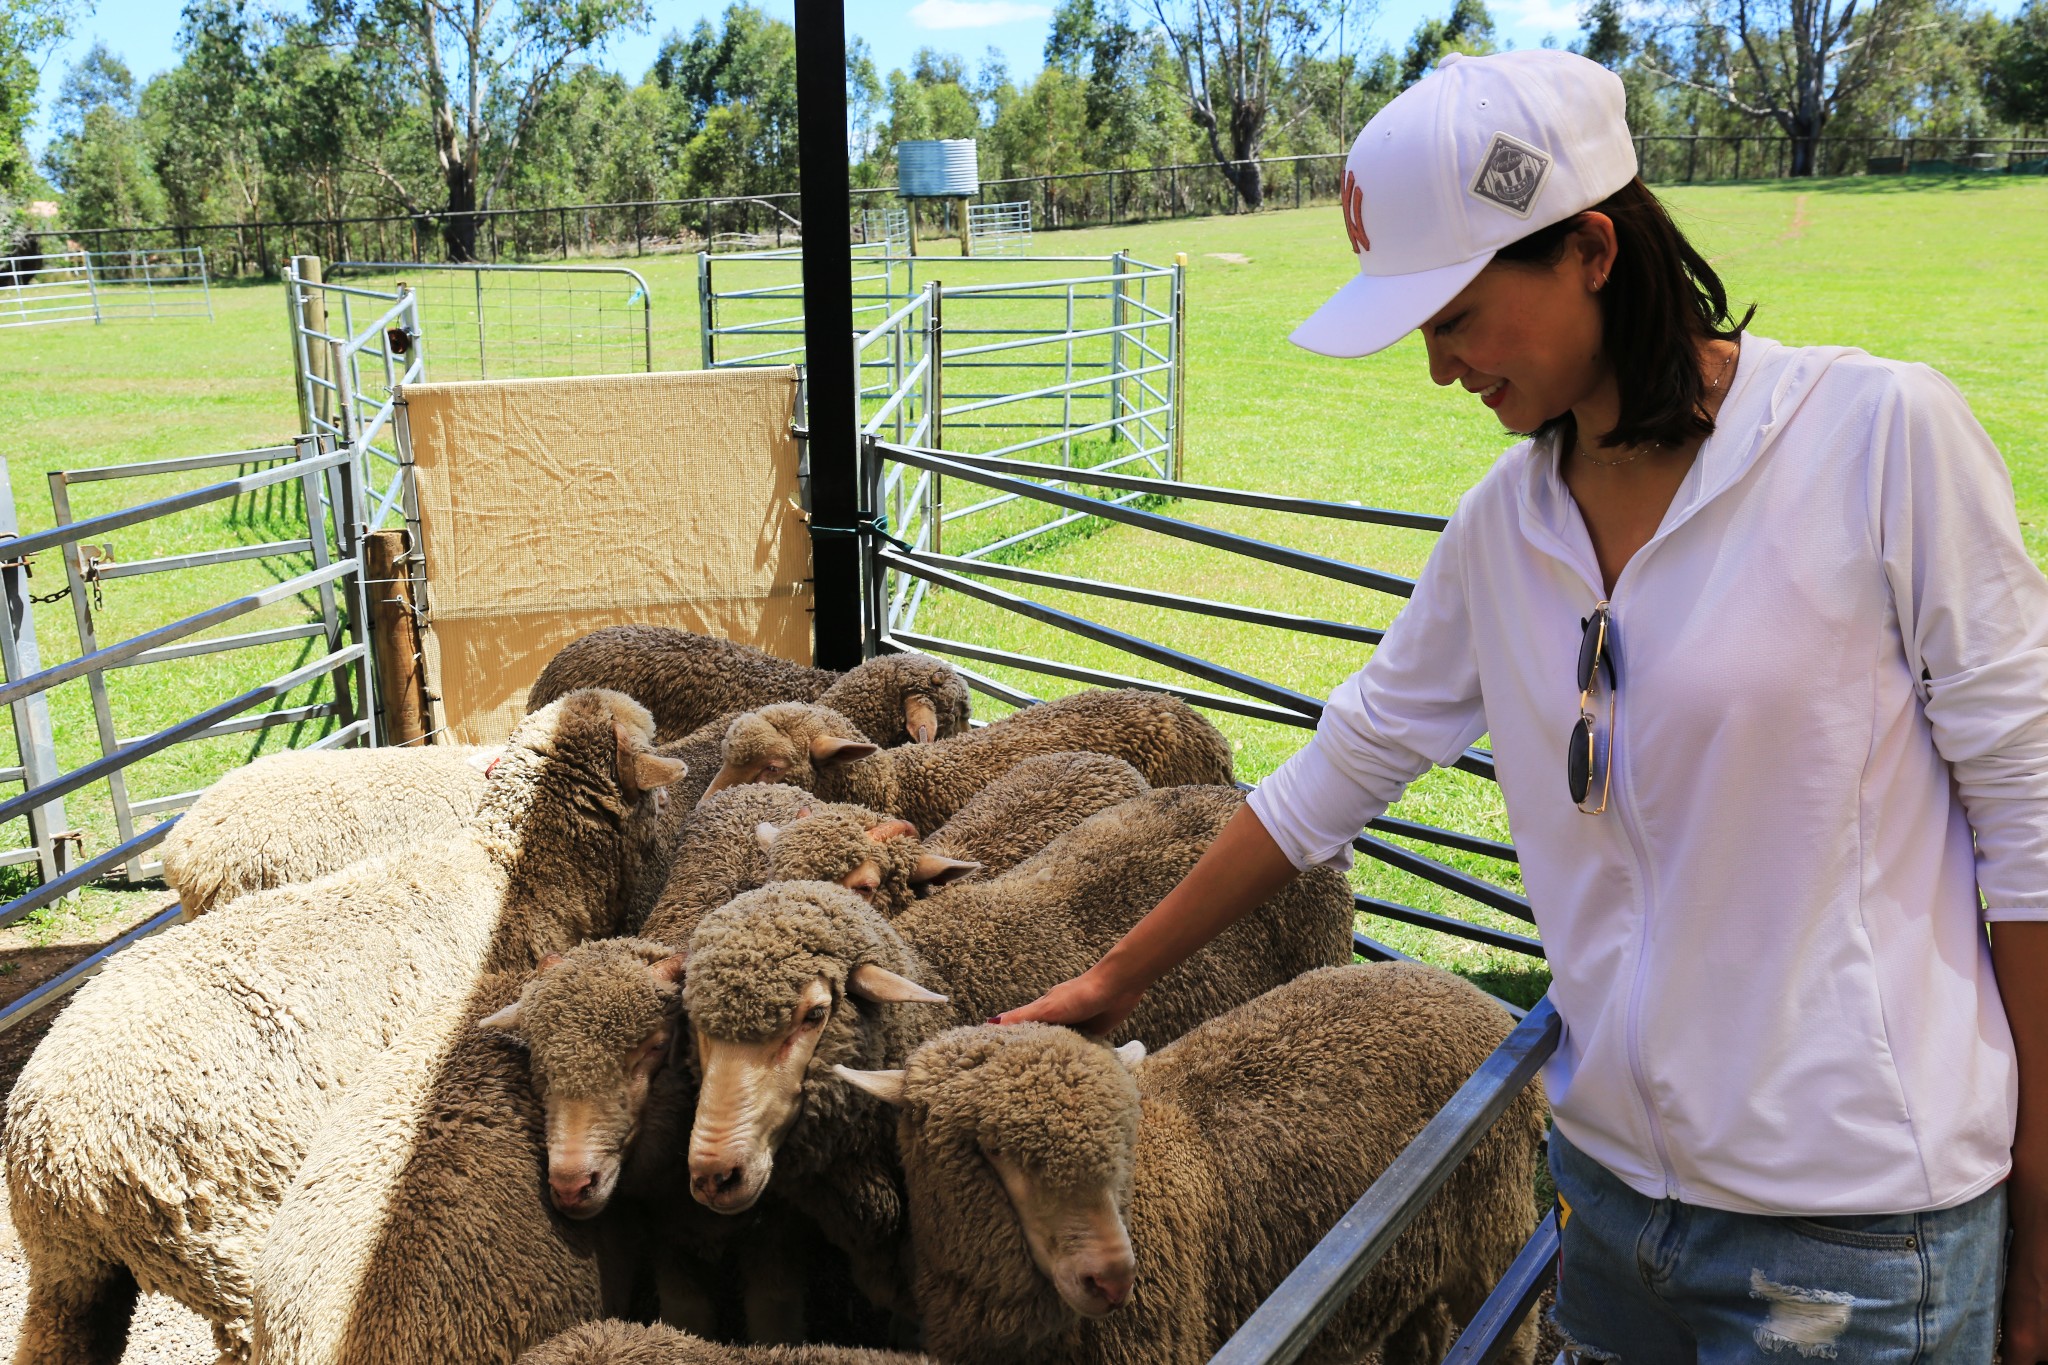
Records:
x=413, y=1231
x=625, y=1343
x=153, y=1132
x=596, y=1020
x=687, y=680
x=813, y=747
x=292, y=817
x=787, y=981
x=1076, y=1207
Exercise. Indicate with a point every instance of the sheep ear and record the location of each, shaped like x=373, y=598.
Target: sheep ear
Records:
x=892, y=829
x=653, y=771
x=505, y=1020
x=827, y=750
x=484, y=760
x=1131, y=1053
x=886, y=1086
x=921, y=719
x=764, y=835
x=932, y=870
x=547, y=962
x=871, y=982
x=671, y=968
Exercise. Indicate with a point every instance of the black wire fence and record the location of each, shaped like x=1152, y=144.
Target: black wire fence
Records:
x=1078, y=199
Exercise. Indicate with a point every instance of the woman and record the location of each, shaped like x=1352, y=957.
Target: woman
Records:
x=1765, y=667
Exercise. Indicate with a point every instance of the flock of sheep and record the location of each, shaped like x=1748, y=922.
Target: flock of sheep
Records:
x=669, y=1012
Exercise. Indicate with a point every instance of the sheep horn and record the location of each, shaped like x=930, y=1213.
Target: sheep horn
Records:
x=670, y=969
x=877, y=983
x=921, y=718
x=886, y=1086
x=728, y=776
x=504, y=1020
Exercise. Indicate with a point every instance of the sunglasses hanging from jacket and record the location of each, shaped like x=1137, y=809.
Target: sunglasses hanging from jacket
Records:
x=1589, y=757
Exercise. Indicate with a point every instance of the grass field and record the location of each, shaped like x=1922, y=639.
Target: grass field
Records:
x=1951, y=273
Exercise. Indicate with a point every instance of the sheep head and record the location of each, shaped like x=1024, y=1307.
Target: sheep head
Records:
x=1030, y=1128
x=913, y=696
x=599, y=743
x=598, y=1023
x=793, y=742
x=875, y=856
x=784, y=983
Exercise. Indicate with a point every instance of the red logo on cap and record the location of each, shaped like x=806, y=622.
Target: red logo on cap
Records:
x=1354, y=214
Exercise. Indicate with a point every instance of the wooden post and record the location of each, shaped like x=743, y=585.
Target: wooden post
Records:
x=395, y=638
x=313, y=317
x=966, y=241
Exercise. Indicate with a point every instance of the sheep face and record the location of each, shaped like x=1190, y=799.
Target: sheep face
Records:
x=935, y=699
x=781, y=987
x=788, y=743
x=1034, y=1129
x=598, y=1023
x=879, y=859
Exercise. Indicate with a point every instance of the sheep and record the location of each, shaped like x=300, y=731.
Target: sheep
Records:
x=292, y=817
x=625, y=1343
x=811, y=746
x=687, y=680
x=786, y=981
x=1073, y=1206
x=413, y=1231
x=596, y=1019
x=153, y=1132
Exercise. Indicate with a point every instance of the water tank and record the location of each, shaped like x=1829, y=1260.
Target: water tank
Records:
x=945, y=168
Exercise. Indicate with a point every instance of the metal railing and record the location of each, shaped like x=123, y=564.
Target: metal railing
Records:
x=523, y=321
x=1289, y=1320
x=95, y=286
x=999, y=229
x=324, y=477
x=348, y=380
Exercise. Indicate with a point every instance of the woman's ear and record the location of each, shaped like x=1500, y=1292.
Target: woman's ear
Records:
x=1594, y=249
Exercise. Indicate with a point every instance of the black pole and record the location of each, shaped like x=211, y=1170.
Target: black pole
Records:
x=828, y=328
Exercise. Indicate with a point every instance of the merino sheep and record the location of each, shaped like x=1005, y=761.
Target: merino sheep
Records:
x=413, y=1230
x=687, y=680
x=625, y=1343
x=153, y=1132
x=811, y=746
x=599, y=1021
x=1071, y=1206
x=295, y=816
x=787, y=981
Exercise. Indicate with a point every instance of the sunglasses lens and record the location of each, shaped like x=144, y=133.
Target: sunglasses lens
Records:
x=1579, y=761
x=1590, y=642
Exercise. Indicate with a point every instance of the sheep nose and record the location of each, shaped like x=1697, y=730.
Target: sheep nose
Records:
x=1112, y=1286
x=572, y=1189
x=717, y=1184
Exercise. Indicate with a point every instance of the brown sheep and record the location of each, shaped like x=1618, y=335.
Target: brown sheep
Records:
x=625, y=1343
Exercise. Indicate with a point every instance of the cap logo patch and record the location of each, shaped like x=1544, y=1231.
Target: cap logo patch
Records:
x=1511, y=174
x=1354, y=214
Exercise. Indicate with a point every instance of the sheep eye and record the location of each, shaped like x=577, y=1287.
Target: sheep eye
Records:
x=814, y=1015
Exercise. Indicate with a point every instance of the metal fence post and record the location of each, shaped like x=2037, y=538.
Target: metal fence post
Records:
x=704, y=312
x=935, y=400
x=1117, y=314
x=1177, y=375
x=92, y=285
x=34, y=740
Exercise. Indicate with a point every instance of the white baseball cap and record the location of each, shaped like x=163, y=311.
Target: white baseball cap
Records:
x=1480, y=153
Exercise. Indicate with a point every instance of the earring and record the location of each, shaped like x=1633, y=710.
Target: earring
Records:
x=1599, y=284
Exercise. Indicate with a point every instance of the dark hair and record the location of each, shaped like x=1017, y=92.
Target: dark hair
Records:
x=1660, y=302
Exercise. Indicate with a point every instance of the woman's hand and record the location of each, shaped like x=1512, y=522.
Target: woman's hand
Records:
x=1092, y=1002
x=2026, y=1277
x=1233, y=876
x=2019, y=953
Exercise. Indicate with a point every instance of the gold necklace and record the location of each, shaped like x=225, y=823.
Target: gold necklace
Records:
x=1640, y=451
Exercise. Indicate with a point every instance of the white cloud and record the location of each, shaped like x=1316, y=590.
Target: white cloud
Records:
x=974, y=13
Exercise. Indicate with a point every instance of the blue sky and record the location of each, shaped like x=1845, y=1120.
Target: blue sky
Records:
x=143, y=32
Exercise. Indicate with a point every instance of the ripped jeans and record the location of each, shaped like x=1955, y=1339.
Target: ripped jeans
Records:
x=1657, y=1282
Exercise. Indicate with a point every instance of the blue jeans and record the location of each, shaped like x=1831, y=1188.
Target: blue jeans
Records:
x=1656, y=1282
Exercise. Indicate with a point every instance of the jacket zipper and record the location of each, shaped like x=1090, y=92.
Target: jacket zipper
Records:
x=1638, y=1076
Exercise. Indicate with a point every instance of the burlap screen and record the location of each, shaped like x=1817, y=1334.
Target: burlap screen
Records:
x=550, y=507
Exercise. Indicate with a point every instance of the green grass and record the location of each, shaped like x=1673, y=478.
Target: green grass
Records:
x=1951, y=273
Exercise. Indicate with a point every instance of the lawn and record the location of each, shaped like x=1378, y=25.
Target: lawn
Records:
x=1950, y=273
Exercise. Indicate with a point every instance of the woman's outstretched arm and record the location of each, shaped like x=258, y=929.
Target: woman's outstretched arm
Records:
x=1238, y=873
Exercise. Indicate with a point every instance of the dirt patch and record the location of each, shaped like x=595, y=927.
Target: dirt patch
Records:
x=1229, y=257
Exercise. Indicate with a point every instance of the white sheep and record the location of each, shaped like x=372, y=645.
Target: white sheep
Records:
x=1071, y=1206
x=153, y=1132
x=294, y=816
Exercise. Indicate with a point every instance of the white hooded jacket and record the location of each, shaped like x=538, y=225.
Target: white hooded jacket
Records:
x=1768, y=954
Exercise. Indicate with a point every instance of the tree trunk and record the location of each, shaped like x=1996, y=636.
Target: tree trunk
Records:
x=458, y=224
x=1247, y=125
